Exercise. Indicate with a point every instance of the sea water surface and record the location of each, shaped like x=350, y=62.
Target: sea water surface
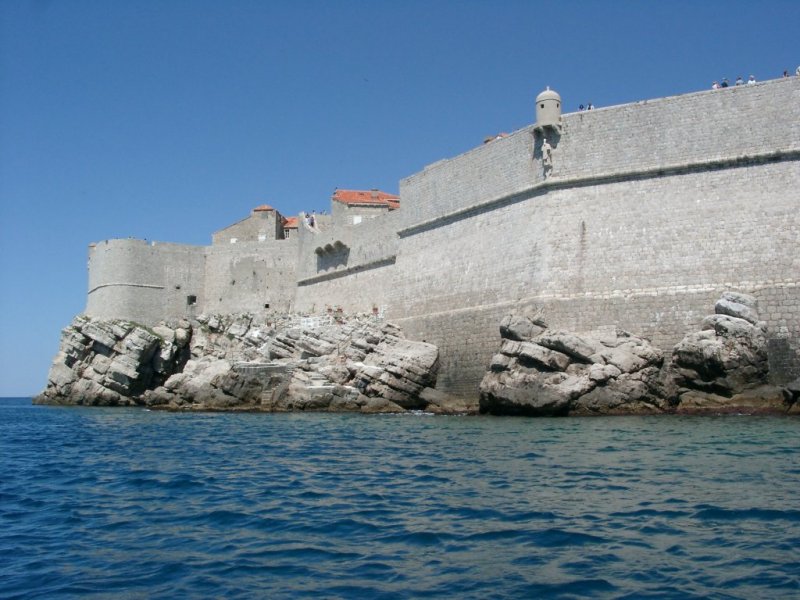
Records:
x=127, y=503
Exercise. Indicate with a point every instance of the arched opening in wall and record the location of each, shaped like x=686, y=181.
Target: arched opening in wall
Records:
x=191, y=300
x=332, y=256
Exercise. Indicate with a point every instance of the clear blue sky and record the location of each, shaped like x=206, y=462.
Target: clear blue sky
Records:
x=170, y=119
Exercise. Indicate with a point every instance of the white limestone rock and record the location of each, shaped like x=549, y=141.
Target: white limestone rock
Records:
x=741, y=306
x=240, y=362
x=561, y=373
x=728, y=355
x=108, y=363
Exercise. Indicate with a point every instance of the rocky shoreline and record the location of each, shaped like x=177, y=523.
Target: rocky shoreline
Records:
x=722, y=368
x=284, y=363
x=243, y=363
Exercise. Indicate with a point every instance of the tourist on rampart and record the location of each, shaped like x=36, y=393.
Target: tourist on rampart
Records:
x=715, y=86
x=724, y=82
x=752, y=80
x=739, y=80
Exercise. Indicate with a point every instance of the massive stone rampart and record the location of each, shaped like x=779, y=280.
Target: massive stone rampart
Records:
x=651, y=211
x=349, y=266
x=700, y=131
x=144, y=281
x=251, y=276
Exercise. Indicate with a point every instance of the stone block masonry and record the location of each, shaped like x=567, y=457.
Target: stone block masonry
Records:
x=144, y=282
x=651, y=211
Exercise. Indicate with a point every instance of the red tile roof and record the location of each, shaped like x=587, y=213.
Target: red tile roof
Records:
x=290, y=222
x=263, y=208
x=368, y=197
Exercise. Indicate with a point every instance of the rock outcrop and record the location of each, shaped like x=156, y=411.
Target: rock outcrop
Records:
x=724, y=367
x=283, y=363
x=238, y=362
x=721, y=368
x=111, y=363
x=541, y=372
x=360, y=366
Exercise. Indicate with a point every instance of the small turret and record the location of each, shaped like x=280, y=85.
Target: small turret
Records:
x=548, y=110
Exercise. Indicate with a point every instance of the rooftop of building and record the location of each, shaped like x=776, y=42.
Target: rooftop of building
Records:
x=372, y=197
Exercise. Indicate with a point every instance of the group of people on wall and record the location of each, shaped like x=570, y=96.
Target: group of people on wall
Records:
x=750, y=81
x=739, y=81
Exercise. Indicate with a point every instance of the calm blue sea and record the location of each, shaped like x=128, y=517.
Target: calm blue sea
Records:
x=127, y=503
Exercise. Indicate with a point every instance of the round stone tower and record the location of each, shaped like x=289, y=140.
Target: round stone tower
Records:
x=548, y=109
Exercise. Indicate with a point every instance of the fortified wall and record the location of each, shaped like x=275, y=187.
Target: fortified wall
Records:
x=250, y=266
x=649, y=211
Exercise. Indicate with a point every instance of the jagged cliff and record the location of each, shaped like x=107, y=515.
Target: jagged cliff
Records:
x=242, y=362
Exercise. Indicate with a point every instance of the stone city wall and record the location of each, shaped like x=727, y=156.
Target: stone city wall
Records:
x=652, y=210
x=354, y=269
x=145, y=282
x=251, y=276
x=662, y=134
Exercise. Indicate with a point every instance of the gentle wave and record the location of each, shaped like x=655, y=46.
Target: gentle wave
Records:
x=119, y=503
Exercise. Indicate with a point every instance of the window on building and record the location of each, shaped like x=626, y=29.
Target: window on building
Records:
x=191, y=300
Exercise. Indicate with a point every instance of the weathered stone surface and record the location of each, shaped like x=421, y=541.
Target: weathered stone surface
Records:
x=740, y=306
x=759, y=400
x=729, y=354
x=380, y=405
x=721, y=368
x=561, y=373
x=438, y=402
x=235, y=362
x=110, y=363
x=576, y=347
x=520, y=328
x=543, y=357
